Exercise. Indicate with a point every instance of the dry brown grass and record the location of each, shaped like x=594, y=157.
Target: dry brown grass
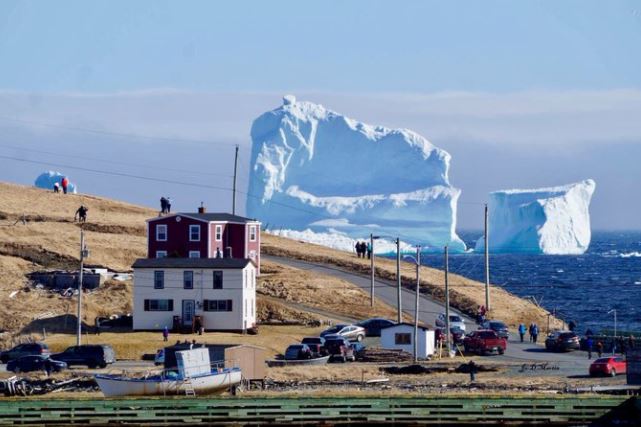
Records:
x=133, y=345
x=465, y=294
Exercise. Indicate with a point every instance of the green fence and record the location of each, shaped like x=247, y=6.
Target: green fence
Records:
x=428, y=410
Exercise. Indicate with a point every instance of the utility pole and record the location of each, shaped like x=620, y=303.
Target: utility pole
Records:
x=416, y=311
x=83, y=254
x=487, y=263
x=614, y=346
x=398, y=280
x=371, y=263
x=233, y=203
x=448, y=334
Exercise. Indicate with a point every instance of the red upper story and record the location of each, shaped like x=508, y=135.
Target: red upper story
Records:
x=203, y=235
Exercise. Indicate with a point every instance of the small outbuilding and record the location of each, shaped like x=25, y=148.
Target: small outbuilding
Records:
x=401, y=337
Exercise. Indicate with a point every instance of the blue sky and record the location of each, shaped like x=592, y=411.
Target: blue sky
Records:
x=542, y=92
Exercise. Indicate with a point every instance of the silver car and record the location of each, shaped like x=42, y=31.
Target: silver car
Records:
x=456, y=321
x=351, y=332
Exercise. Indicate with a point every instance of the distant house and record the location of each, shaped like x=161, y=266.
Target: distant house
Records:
x=218, y=294
x=204, y=235
x=401, y=337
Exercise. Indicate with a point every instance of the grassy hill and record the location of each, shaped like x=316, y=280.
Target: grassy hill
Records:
x=37, y=232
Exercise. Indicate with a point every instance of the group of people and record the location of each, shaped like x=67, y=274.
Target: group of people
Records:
x=363, y=248
x=165, y=205
x=64, y=184
x=533, y=331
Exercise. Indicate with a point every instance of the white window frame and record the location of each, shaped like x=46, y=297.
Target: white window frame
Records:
x=186, y=274
x=219, y=233
x=161, y=254
x=194, y=227
x=158, y=228
x=192, y=253
x=252, y=233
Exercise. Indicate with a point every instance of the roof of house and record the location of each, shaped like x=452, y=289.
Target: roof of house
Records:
x=210, y=217
x=406, y=324
x=192, y=263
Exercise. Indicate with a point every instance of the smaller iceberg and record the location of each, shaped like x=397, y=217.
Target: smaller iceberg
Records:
x=47, y=179
x=553, y=221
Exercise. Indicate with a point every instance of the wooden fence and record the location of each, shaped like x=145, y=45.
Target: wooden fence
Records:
x=326, y=411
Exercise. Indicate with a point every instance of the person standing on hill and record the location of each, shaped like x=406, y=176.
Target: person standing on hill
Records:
x=56, y=187
x=165, y=334
x=357, y=247
x=168, y=205
x=163, y=205
x=588, y=344
x=81, y=214
x=64, y=184
x=369, y=250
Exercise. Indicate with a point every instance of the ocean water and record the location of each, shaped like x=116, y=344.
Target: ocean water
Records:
x=582, y=288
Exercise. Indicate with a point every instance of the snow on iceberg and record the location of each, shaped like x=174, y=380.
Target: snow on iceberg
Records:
x=312, y=168
x=548, y=220
x=47, y=179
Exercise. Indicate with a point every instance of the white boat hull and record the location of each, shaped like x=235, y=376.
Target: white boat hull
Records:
x=116, y=385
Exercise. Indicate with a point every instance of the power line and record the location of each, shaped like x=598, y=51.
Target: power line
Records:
x=117, y=134
x=156, y=167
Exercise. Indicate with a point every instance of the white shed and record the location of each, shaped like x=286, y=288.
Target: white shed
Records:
x=401, y=337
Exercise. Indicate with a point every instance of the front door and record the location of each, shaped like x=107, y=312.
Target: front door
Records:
x=189, y=306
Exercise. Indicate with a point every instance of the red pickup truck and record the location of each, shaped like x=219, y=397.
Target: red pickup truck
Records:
x=484, y=341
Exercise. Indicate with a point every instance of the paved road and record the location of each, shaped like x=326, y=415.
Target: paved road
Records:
x=574, y=363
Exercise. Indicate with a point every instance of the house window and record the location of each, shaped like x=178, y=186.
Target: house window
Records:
x=402, y=339
x=161, y=232
x=217, y=305
x=188, y=280
x=219, y=233
x=194, y=233
x=159, y=305
x=252, y=233
x=194, y=254
x=218, y=279
x=159, y=280
x=161, y=254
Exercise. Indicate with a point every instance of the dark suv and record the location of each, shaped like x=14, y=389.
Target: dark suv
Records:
x=562, y=341
x=92, y=356
x=21, y=350
x=339, y=348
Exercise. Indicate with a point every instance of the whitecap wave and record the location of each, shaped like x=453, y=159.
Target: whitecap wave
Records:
x=630, y=255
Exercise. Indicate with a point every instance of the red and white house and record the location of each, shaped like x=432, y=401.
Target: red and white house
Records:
x=204, y=235
x=200, y=270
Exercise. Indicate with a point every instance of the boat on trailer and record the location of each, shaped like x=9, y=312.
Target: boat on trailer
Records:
x=194, y=375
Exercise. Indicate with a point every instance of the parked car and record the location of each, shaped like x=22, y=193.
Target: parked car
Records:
x=373, y=326
x=497, y=326
x=21, y=350
x=484, y=341
x=339, y=348
x=298, y=352
x=611, y=366
x=35, y=363
x=456, y=321
x=316, y=345
x=351, y=332
x=562, y=341
x=92, y=356
x=159, y=359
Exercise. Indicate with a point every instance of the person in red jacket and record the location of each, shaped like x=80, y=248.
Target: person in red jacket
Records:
x=64, y=183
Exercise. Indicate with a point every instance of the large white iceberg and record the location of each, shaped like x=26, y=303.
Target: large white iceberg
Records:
x=312, y=168
x=553, y=221
x=47, y=179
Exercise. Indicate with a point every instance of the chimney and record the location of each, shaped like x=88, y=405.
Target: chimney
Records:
x=228, y=253
x=201, y=208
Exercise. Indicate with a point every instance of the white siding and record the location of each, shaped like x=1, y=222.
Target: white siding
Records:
x=233, y=289
x=425, y=340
